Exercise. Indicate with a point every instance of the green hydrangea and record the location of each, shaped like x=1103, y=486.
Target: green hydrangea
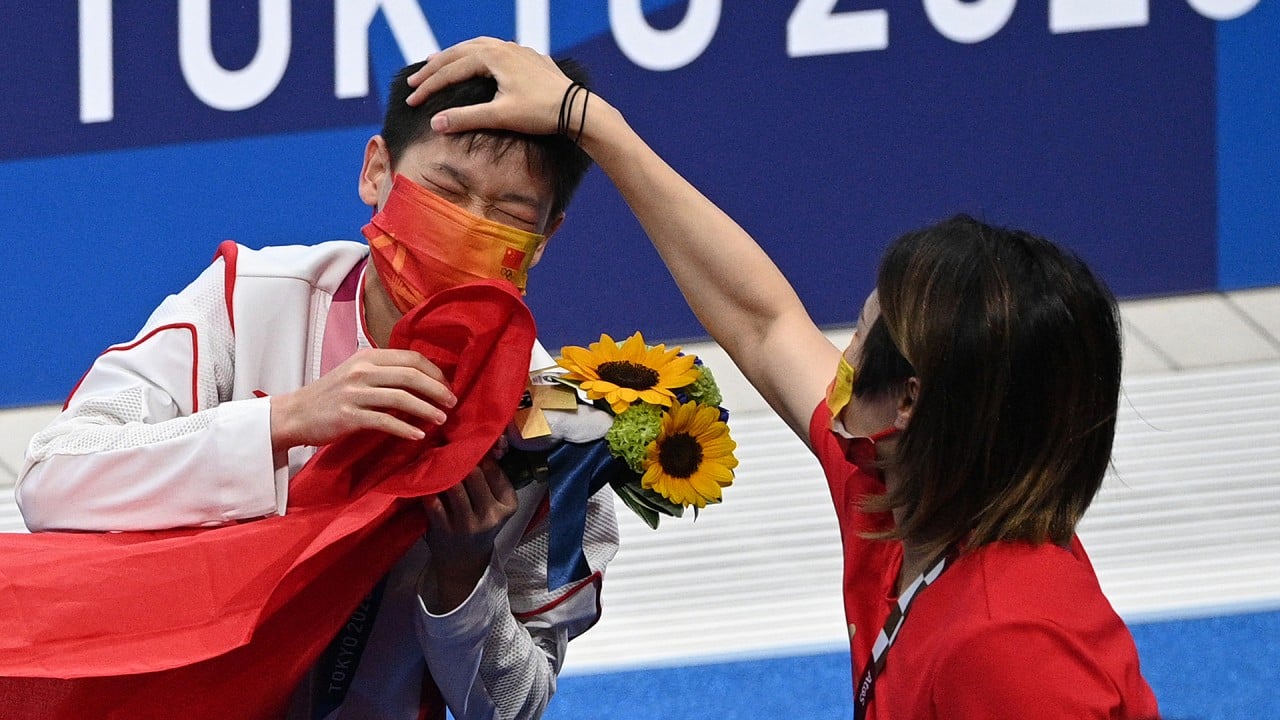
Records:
x=632, y=431
x=704, y=390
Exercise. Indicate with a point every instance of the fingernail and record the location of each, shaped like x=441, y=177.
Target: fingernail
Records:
x=440, y=122
x=440, y=418
x=453, y=400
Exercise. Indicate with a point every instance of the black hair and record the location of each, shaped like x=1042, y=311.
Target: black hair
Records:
x=1017, y=349
x=554, y=157
x=882, y=368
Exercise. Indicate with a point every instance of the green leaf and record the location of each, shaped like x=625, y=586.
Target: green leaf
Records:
x=653, y=501
x=628, y=492
x=648, y=515
x=665, y=506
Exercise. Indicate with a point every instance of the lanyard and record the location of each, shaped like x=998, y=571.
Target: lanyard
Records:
x=336, y=668
x=865, y=688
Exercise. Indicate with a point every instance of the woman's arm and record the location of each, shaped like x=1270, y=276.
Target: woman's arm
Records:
x=736, y=291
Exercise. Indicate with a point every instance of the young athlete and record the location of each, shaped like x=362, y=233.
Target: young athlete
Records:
x=234, y=382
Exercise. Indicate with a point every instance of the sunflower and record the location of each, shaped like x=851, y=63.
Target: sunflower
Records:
x=692, y=458
x=623, y=374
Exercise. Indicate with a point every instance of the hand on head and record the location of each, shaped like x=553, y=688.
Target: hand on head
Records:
x=530, y=87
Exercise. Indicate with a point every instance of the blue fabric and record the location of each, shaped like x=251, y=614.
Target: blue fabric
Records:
x=576, y=471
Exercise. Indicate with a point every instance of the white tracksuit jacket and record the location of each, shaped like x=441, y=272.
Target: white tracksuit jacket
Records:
x=173, y=429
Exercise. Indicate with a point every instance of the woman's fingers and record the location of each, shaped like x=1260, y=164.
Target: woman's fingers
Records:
x=441, y=71
x=530, y=87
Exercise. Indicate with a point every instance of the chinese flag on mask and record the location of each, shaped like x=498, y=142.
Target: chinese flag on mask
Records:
x=223, y=622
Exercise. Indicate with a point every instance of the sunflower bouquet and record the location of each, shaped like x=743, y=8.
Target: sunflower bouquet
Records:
x=668, y=426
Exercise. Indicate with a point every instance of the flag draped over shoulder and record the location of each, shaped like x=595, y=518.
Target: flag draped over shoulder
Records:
x=223, y=622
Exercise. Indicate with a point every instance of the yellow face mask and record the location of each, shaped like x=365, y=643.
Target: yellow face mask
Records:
x=421, y=244
x=840, y=391
x=839, y=394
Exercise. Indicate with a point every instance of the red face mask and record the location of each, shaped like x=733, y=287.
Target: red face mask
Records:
x=421, y=244
x=861, y=450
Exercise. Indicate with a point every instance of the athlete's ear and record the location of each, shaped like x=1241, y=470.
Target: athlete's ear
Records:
x=552, y=227
x=375, y=172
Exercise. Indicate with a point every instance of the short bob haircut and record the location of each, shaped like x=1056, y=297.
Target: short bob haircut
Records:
x=554, y=157
x=1016, y=347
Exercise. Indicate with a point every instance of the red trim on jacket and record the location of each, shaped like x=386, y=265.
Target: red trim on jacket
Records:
x=594, y=578
x=229, y=251
x=539, y=514
x=195, y=361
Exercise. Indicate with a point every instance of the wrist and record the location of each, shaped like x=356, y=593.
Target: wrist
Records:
x=602, y=122
x=449, y=584
x=282, y=432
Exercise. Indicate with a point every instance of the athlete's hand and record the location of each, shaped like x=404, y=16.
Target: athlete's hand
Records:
x=530, y=87
x=464, y=522
x=363, y=393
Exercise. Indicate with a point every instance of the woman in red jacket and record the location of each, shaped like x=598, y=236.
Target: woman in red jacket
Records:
x=966, y=430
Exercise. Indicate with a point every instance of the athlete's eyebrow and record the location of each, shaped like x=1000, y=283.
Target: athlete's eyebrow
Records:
x=464, y=180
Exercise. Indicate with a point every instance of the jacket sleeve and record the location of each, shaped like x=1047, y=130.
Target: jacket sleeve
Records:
x=150, y=438
x=498, y=654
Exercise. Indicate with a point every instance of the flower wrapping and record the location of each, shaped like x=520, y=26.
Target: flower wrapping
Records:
x=668, y=426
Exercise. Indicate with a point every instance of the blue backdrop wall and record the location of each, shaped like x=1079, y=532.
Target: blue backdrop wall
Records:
x=136, y=136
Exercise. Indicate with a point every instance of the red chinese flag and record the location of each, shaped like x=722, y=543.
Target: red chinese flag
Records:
x=223, y=622
x=513, y=259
